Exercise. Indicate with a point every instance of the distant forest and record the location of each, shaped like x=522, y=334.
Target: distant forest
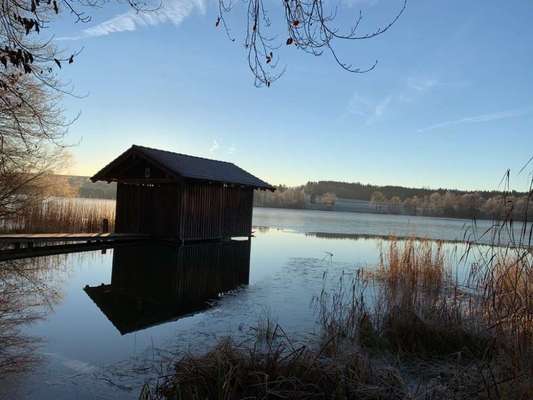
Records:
x=360, y=191
x=403, y=200
x=383, y=199
x=81, y=186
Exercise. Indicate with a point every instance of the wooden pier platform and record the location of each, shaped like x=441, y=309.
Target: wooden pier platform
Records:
x=15, y=246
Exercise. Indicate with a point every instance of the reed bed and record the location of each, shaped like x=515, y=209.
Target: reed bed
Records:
x=63, y=215
x=410, y=328
x=415, y=307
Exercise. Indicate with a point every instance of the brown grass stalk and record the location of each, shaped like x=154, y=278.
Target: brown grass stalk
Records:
x=62, y=215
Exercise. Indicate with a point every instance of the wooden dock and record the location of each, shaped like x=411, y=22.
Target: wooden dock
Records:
x=15, y=246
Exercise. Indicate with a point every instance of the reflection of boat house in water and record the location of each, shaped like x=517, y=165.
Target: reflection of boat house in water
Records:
x=155, y=283
x=179, y=196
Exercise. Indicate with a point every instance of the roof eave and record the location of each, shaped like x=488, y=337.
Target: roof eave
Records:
x=100, y=175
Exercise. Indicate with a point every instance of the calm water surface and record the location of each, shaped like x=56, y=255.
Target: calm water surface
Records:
x=114, y=314
x=381, y=225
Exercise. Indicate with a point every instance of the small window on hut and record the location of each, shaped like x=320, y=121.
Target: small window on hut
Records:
x=147, y=172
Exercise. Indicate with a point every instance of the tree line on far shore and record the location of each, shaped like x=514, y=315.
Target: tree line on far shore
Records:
x=362, y=191
x=282, y=197
x=454, y=205
x=409, y=201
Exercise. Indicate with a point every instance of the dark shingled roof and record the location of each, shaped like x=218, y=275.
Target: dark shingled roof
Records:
x=189, y=167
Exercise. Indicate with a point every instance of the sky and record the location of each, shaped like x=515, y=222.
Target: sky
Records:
x=448, y=105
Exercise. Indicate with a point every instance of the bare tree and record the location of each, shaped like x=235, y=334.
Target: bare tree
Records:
x=328, y=199
x=31, y=143
x=309, y=25
x=378, y=200
x=32, y=127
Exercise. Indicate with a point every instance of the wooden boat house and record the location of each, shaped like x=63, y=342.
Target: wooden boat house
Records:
x=179, y=196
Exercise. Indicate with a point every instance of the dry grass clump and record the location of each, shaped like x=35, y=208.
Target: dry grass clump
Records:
x=279, y=371
x=63, y=215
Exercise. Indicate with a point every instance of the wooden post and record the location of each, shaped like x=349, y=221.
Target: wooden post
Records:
x=105, y=225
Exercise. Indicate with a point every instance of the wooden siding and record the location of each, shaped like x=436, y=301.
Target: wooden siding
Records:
x=151, y=209
x=201, y=211
x=189, y=211
x=128, y=209
x=215, y=211
x=237, y=211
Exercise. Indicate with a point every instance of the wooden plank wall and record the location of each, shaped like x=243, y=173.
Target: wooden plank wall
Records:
x=161, y=209
x=237, y=211
x=215, y=211
x=128, y=209
x=193, y=211
x=151, y=209
x=201, y=211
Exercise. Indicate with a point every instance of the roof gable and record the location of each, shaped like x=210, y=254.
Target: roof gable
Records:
x=183, y=166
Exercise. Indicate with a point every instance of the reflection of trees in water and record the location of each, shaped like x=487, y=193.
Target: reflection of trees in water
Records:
x=28, y=291
x=262, y=229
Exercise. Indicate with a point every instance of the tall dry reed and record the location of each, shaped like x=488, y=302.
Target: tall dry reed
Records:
x=414, y=305
x=63, y=215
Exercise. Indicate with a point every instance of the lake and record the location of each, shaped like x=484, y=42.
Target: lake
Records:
x=111, y=317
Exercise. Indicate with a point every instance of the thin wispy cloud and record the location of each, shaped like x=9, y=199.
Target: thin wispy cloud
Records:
x=421, y=84
x=372, y=111
x=380, y=108
x=519, y=112
x=219, y=148
x=214, y=146
x=410, y=90
x=359, y=105
x=171, y=12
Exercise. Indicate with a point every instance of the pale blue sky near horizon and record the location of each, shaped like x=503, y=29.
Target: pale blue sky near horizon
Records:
x=448, y=105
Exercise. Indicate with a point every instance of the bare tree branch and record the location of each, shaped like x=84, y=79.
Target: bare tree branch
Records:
x=310, y=26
